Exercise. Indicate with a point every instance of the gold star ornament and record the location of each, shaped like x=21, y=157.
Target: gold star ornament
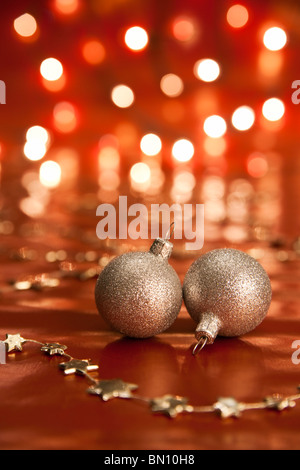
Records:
x=76, y=366
x=170, y=405
x=228, y=407
x=14, y=342
x=279, y=403
x=54, y=349
x=115, y=388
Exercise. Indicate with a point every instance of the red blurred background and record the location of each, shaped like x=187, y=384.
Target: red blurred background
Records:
x=248, y=180
x=179, y=35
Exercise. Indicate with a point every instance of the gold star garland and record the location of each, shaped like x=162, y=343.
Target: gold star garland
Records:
x=168, y=405
x=87, y=265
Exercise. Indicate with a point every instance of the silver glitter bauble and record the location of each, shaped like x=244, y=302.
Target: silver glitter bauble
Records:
x=138, y=293
x=227, y=292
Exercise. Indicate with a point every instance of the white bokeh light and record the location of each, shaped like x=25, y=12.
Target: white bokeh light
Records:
x=150, y=144
x=37, y=133
x=273, y=109
x=243, y=118
x=207, y=70
x=122, y=96
x=50, y=174
x=136, y=38
x=35, y=150
x=275, y=39
x=215, y=126
x=140, y=173
x=51, y=69
x=183, y=150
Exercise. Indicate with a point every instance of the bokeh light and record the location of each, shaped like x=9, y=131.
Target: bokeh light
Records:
x=243, y=118
x=37, y=142
x=257, y=165
x=64, y=117
x=273, y=109
x=140, y=173
x=171, y=85
x=93, y=52
x=215, y=147
x=108, y=158
x=38, y=133
x=184, y=182
x=136, y=38
x=25, y=25
x=275, y=38
x=122, y=96
x=32, y=207
x=237, y=16
x=212, y=194
x=183, y=150
x=51, y=69
x=55, y=85
x=270, y=64
x=207, y=70
x=66, y=7
x=109, y=180
x=50, y=174
x=215, y=126
x=184, y=29
x=35, y=150
x=151, y=144
x=69, y=160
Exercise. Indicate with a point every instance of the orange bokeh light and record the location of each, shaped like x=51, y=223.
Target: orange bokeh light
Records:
x=56, y=85
x=237, y=16
x=25, y=26
x=184, y=29
x=64, y=116
x=93, y=52
x=66, y=7
x=257, y=165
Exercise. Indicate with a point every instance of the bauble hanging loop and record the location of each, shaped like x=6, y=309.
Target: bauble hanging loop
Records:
x=227, y=293
x=138, y=293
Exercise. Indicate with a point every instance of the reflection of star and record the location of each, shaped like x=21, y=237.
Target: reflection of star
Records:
x=227, y=407
x=115, y=388
x=14, y=342
x=76, y=366
x=53, y=348
x=169, y=405
x=277, y=402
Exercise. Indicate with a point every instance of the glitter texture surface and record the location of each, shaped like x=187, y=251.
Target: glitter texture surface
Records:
x=227, y=293
x=139, y=294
